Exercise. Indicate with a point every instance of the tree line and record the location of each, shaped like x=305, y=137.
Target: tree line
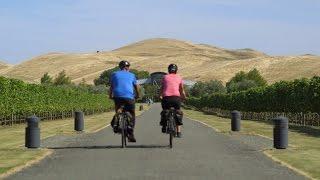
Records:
x=250, y=92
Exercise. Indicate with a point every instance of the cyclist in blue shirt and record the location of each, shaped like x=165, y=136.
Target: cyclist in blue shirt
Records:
x=124, y=90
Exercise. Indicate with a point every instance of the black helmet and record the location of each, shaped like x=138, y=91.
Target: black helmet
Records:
x=123, y=64
x=172, y=68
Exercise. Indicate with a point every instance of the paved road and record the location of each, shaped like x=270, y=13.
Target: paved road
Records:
x=200, y=154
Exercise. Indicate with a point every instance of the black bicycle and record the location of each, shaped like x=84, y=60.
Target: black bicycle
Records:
x=124, y=119
x=171, y=126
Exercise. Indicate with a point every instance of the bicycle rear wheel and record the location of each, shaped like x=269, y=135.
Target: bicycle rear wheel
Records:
x=171, y=130
x=170, y=140
x=123, y=132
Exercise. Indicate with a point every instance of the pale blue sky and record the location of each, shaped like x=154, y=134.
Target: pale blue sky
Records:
x=277, y=27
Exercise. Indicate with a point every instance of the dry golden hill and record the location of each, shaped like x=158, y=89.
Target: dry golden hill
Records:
x=195, y=61
x=4, y=67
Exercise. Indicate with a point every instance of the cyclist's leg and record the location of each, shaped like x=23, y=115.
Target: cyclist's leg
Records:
x=164, y=114
x=176, y=103
x=117, y=105
x=118, y=102
x=165, y=107
x=130, y=107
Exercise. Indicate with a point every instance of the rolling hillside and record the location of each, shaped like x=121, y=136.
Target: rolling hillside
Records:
x=196, y=62
x=4, y=67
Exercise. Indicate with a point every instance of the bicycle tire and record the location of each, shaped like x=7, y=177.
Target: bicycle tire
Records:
x=170, y=140
x=125, y=129
x=123, y=134
x=171, y=130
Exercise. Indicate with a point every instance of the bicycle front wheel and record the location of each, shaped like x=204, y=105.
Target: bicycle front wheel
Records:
x=171, y=131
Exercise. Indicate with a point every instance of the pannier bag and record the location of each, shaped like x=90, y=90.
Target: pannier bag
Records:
x=115, y=122
x=165, y=115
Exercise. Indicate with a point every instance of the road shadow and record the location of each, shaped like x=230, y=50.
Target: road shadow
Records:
x=111, y=147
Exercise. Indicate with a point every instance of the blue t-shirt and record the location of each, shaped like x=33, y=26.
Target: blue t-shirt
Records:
x=122, y=84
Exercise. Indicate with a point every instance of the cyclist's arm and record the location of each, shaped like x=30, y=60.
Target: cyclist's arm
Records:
x=161, y=89
x=182, y=92
x=137, y=89
x=111, y=87
x=110, y=92
x=160, y=92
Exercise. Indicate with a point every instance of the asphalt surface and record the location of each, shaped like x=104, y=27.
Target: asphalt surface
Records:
x=200, y=154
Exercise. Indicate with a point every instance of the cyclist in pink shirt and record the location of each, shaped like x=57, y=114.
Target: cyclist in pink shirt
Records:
x=172, y=92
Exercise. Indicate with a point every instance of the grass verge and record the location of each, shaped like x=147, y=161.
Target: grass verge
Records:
x=13, y=154
x=303, y=154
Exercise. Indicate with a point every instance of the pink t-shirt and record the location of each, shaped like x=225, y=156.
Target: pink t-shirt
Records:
x=171, y=84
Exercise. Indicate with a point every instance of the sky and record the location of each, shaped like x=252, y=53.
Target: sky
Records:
x=276, y=27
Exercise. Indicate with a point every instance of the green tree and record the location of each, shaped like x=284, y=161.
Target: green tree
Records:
x=255, y=76
x=62, y=79
x=206, y=88
x=151, y=91
x=104, y=78
x=46, y=79
x=241, y=85
x=244, y=81
x=140, y=74
x=240, y=76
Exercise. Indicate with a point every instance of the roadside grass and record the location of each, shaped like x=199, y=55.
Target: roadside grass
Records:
x=303, y=153
x=13, y=153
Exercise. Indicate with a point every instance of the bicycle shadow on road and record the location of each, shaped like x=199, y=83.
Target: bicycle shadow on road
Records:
x=112, y=147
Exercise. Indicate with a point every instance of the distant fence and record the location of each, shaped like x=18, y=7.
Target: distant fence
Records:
x=21, y=118
x=304, y=119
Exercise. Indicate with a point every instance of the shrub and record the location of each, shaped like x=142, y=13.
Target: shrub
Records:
x=300, y=95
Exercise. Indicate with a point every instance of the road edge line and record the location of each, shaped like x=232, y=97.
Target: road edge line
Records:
x=265, y=153
x=29, y=163
x=47, y=153
x=288, y=165
x=215, y=129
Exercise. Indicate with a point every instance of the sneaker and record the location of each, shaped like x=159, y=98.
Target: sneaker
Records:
x=131, y=138
x=179, y=135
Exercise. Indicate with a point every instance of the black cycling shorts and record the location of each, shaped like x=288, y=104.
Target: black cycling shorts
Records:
x=171, y=101
x=129, y=104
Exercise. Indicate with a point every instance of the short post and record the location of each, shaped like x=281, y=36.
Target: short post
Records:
x=280, y=133
x=32, y=136
x=141, y=108
x=78, y=121
x=235, y=121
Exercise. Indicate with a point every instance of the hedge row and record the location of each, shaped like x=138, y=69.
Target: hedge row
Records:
x=17, y=97
x=301, y=95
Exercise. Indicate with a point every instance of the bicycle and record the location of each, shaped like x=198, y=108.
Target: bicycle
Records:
x=171, y=126
x=124, y=119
